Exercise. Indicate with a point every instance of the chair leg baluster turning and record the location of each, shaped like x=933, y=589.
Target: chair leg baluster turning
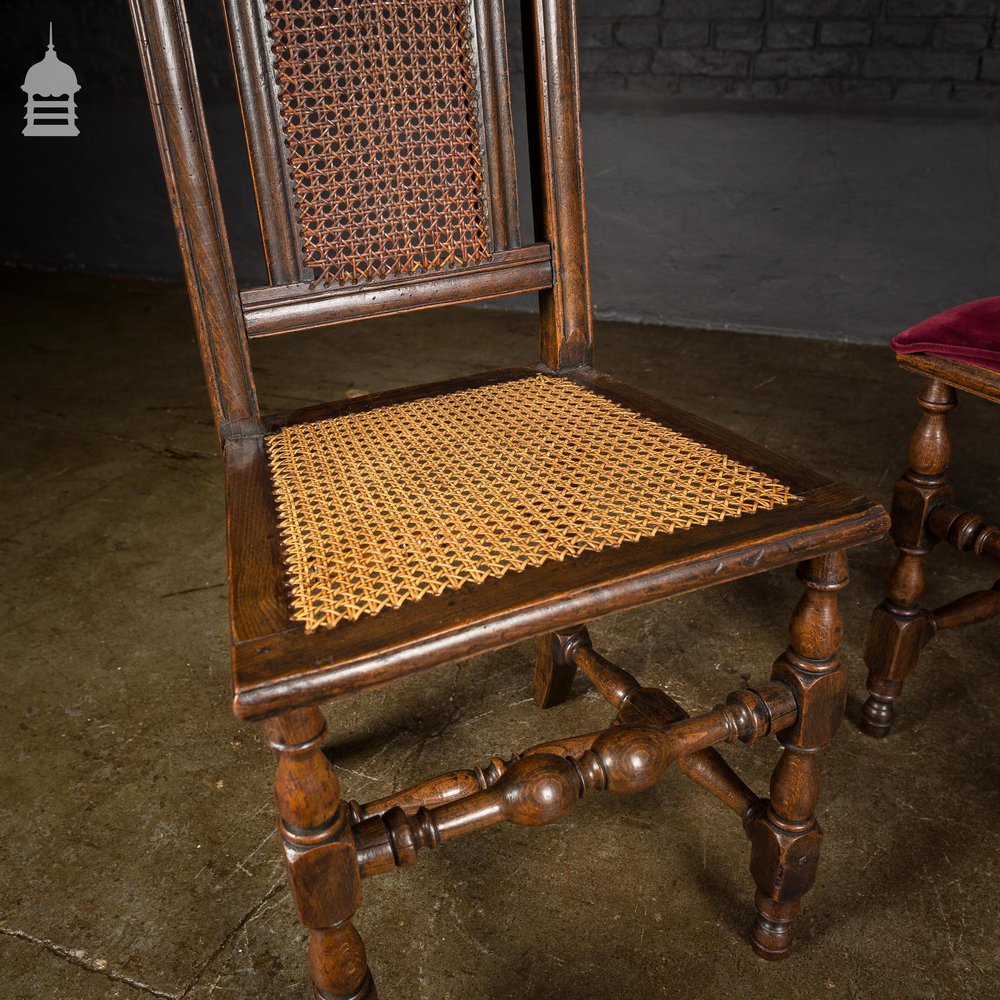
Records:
x=899, y=626
x=320, y=856
x=784, y=835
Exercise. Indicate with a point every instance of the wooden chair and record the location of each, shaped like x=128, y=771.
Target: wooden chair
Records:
x=923, y=509
x=379, y=537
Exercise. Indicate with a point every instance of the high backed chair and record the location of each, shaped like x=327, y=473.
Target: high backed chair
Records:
x=958, y=349
x=379, y=537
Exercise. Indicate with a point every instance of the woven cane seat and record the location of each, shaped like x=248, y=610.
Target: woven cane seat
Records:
x=389, y=505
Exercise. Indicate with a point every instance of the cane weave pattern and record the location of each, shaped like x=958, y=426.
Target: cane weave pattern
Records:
x=379, y=104
x=388, y=505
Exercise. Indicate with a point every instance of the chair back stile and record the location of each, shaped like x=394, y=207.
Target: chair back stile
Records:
x=382, y=155
x=179, y=122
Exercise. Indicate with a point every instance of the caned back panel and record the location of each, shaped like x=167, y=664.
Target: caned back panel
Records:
x=379, y=106
x=224, y=317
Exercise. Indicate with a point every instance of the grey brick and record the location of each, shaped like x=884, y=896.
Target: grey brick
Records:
x=802, y=65
x=614, y=61
x=765, y=88
x=812, y=90
x=603, y=83
x=922, y=93
x=638, y=33
x=913, y=65
x=991, y=66
x=977, y=93
x=845, y=33
x=695, y=62
x=867, y=90
x=791, y=34
x=684, y=34
x=713, y=8
x=965, y=36
x=617, y=8
x=703, y=86
x=827, y=8
x=739, y=36
x=907, y=35
x=937, y=8
x=596, y=34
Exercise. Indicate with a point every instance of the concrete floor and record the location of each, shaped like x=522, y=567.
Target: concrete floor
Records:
x=139, y=855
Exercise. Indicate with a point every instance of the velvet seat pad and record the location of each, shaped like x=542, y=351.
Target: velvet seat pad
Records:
x=969, y=332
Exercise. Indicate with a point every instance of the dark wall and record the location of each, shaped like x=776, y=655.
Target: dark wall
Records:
x=905, y=51
x=834, y=217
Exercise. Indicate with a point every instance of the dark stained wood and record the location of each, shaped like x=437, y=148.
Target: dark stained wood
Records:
x=557, y=167
x=179, y=121
x=554, y=666
x=613, y=684
x=970, y=609
x=286, y=308
x=541, y=788
x=958, y=374
x=320, y=855
x=924, y=514
x=784, y=836
x=460, y=784
x=965, y=530
x=258, y=92
x=900, y=626
x=708, y=768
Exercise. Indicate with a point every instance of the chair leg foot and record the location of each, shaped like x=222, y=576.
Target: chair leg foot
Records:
x=773, y=928
x=897, y=634
x=367, y=991
x=877, y=716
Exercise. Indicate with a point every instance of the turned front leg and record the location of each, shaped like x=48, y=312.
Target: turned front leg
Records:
x=320, y=856
x=899, y=626
x=785, y=837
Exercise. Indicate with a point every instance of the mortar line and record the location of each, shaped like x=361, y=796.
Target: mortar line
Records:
x=89, y=964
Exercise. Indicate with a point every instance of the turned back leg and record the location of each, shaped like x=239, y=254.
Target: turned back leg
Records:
x=899, y=626
x=554, y=669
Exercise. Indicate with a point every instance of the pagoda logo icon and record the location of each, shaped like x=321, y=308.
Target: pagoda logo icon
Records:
x=51, y=87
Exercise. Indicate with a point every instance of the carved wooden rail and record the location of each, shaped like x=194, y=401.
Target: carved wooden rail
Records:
x=967, y=531
x=639, y=705
x=542, y=785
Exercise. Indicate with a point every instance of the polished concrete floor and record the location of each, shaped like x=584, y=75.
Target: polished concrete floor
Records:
x=138, y=854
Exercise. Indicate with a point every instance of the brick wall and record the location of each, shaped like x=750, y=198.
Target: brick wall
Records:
x=905, y=51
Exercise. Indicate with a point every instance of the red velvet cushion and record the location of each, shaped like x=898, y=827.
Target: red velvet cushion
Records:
x=969, y=333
